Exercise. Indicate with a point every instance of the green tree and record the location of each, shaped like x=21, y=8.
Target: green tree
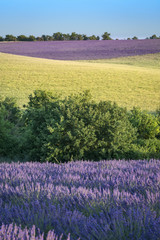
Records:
x=85, y=37
x=58, y=36
x=60, y=130
x=74, y=36
x=1, y=39
x=9, y=128
x=10, y=38
x=22, y=38
x=135, y=38
x=31, y=38
x=154, y=37
x=39, y=39
x=79, y=37
x=93, y=37
x=66, y=37
x=106, y=36
x=113, y=131
x=46, y=38
x=146, y=124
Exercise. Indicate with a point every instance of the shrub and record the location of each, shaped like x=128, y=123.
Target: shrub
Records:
x=54, y=129
x=147, y=125
x=76, y=128
x=9, y=130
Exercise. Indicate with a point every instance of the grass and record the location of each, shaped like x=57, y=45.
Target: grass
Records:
x=149, y=61
x=130, y=81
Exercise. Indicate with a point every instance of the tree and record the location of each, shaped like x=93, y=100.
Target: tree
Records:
x=74, y=36
x=10, y=38
x=66, y=37
x=147, y=125
x=31, y=38
x=39, y=39
x=58, y=36
x=46, y=38
x=135, y=38
x=85, y=37
x=79, y=37
x=106, y=36
x=1, y=39
x=154, y=37
x=93, y=37
x=22, y=38
x=75, y=128
x=9, y=129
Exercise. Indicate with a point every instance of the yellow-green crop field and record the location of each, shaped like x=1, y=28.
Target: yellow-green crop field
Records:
x=129, y=81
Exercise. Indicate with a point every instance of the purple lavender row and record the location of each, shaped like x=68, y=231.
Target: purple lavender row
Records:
x=82, y=50
x=89, y=200
x=14, y=232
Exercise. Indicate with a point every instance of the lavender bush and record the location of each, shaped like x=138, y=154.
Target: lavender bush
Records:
x=12, y=231
x=87, y=200
x=82, y=50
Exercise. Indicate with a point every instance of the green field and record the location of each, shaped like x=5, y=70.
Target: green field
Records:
x=130, y=81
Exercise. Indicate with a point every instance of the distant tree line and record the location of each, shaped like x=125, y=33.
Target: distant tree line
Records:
x=58, y=36
x=55, y=129
x=152, y=37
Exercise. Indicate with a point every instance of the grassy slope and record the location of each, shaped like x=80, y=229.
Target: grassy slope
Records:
x=132, y=81
x=149, y=61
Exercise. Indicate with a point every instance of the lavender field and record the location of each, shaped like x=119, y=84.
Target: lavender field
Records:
x=106, y=200
x=82, y=50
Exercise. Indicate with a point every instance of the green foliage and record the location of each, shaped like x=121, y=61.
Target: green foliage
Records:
x=11, y=112
x=10, y=38
x=40, y=99
x=145, y=149
x=9, y=129
x=106, y=36
x=93, y=37
x=31, y=38
x=79, y=37
x=1, y=39
x=46, y=38
x=154, y=36
x=74, y=36
x=135, y=38
x=85, y=37
x=54, y=129
x=76, y=128
x=22, y=38
x=114, y=132
x=58, y=36
x=147, y=125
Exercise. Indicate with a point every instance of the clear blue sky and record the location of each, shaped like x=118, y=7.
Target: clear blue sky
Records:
x=121, y=18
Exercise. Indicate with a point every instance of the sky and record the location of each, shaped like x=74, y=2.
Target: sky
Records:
x=120, y=18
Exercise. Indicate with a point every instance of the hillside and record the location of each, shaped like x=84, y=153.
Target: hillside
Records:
x=82, y=50
x=131, y=81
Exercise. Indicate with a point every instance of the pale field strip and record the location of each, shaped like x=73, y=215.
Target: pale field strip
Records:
x=130, y=81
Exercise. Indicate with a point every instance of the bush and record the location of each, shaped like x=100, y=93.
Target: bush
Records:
x=9, y=129
x=147, y=125
x=54, y=129
x=76, y=128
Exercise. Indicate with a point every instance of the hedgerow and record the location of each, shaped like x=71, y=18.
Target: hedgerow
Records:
x=55, y=129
